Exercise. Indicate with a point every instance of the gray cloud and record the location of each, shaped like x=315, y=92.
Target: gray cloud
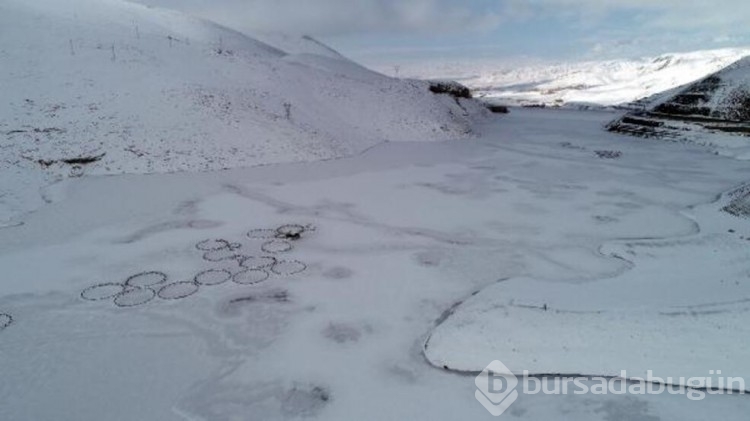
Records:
x=598, y=27
x=657, y=14
x=337, y=17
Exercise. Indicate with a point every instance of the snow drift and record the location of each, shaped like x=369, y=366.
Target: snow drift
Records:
x=108, y=87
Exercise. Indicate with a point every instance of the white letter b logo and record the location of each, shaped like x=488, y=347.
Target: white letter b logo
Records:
x=496, y=388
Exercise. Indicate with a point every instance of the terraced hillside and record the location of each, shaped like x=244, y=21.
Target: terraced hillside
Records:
x=717, y=103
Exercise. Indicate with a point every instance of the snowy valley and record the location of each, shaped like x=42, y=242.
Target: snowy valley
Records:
x=200, y=224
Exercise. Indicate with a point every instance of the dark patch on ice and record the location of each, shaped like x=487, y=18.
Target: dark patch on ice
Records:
x=5, y=320
x=78, y=160
x=444, y=188
x=517, y=411
x=188, y=207
x=603, y=219
x=605, y=154
x=626, y=409
x=693, y=313
x=233, y=305
x=342, y=333
x=338, y=272
x=305, y=400
x=429, y=258
x=218, y=400
x=569, y=145
x=84, y=160
x=274, y=296
x=404, y=374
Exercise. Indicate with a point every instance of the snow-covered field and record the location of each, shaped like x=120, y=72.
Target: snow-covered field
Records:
x=600, y=83
x=571, y=250
x=199, y=224
x=94, y=87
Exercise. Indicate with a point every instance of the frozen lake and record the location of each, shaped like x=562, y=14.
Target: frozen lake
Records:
x=592, y=234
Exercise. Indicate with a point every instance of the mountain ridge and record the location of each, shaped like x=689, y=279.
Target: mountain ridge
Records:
x=600, y=83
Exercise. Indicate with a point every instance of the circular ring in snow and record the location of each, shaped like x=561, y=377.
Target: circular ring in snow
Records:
x=276, y=246
x=178, y=290
x=251, y=277
x=288, y=267
x=104, y=291
x=257, y=262
x=146, y=279
x=213, y=277
x=134, y=296
x=216, y=244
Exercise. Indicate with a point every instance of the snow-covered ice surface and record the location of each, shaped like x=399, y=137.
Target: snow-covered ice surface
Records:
x=142, y=90
x=601, y=83
x=631, y=253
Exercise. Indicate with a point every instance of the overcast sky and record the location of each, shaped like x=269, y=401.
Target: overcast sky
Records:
x=382, y=31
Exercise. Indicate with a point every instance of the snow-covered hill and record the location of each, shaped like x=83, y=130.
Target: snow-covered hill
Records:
x=607, y=83
x=107, y=87
x=724, y=95
x=713, y=111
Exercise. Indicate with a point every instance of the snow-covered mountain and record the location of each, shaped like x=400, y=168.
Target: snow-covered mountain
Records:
x=607, y=83
x=724, y=95
x=712, y=111
x=108, y=86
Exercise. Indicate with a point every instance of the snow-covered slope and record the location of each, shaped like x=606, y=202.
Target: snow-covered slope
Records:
x=107, y=86
x=297, y=45
x=610, y=82
x=724, y=95
x=713, y=111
